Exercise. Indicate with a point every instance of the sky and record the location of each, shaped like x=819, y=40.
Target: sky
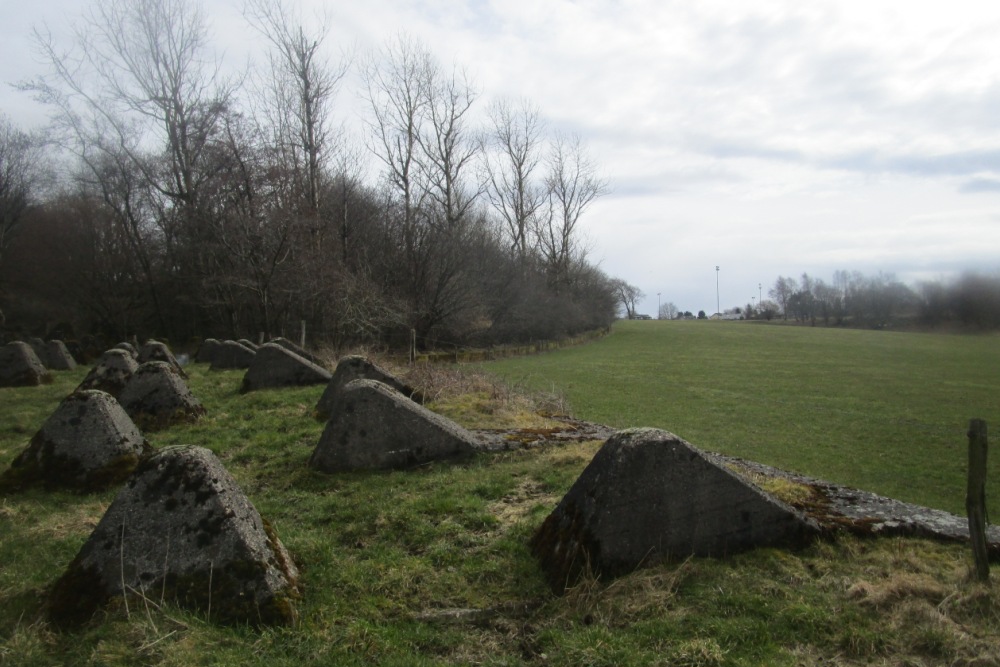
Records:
x=763, y=137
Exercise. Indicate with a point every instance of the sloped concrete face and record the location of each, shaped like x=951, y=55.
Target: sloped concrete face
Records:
x=301, y=351
x=375, y=427
x=181, y=530
x=88, y=443
x=230, y=354
x=355, y=367
x=274, y=366
x=649, y=496
x=249, y=344
x=111, y=373
x=206, y=351
x=157, y=397
x=57, y=356
x=21, y=367
x=154, y=350
x=128, y=347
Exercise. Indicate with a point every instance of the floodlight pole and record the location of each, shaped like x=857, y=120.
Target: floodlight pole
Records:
x=658, y=316
x=718, y=310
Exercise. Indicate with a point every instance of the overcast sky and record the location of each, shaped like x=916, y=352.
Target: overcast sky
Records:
x=764, y=137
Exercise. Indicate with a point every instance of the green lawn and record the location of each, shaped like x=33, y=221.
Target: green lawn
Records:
x=882, y=411
x=387, y=557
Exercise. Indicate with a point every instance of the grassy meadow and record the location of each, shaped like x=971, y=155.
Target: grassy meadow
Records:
x=883, y=411
x=430, y=566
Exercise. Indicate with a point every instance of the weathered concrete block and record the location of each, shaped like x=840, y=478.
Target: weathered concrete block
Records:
x=111, y=373
x=128, y=347
x=181, y=530
x=355, y=367
x=88, y=443
x=301, y=351
x=249, y=344
x=207, y=350
x=157, y=397
x=375, y=427
x=21, y=367
x=38, y=345
x=154, y=350
x=230, y=354
x=648, y=496
x=57, y=356
x=275, y=366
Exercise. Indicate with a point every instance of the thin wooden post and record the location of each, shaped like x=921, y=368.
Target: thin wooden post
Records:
x=975, y=497
x=302, y=335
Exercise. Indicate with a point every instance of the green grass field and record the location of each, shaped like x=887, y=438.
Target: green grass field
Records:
x=883, y=411
x=390, y=559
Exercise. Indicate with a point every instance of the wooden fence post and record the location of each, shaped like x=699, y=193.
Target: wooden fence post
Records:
x=975, y=497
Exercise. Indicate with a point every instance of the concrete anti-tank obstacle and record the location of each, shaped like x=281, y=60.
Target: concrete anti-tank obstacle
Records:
x=275, y=366
x=57, y=356
x=649, y=496
x=206, y=351
x=356, y=367
x=375, y=427
x=21, y=367
x=111, y=373
x=182, y=531
x=230, y=354
x=154, y=350
x=87, y=444
x=157, y=397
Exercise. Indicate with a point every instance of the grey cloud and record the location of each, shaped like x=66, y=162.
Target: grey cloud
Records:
x=958, y=163
x=977, y=185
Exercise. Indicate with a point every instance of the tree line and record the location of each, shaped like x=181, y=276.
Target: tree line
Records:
x=971, y=300
x=193, y=204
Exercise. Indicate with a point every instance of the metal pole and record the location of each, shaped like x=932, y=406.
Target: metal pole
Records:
x=718, y=310
x=658, y=305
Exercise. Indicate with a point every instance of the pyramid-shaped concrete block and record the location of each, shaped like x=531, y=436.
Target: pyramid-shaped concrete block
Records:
x=299, y=350
x=355, y=367
x=88, y=443
x=21, y=367
x=206, y=351
x=154, y=350
x=157, y=397
x=375, y=427
x=57, y=356
x=111, y=373
x=38, y=345
x=249, y=344
x=230, y=354
x=649, y=496
x=181, y=531
x=274, y=366
x=128, y=347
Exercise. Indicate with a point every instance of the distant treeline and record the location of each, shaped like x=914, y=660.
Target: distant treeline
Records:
x=852, y=298
x=191, y=205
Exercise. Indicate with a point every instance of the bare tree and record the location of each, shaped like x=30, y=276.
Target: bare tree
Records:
x=303, y=87
x=572, y=185
x=511, y=157
x=446, y=146
x=396, y=83
x=20, y=175
x=784, y=288
x=628, y=295
x=141, y=109
x=668, y=311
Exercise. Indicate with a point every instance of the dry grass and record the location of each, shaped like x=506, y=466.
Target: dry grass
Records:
x=480, y=401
